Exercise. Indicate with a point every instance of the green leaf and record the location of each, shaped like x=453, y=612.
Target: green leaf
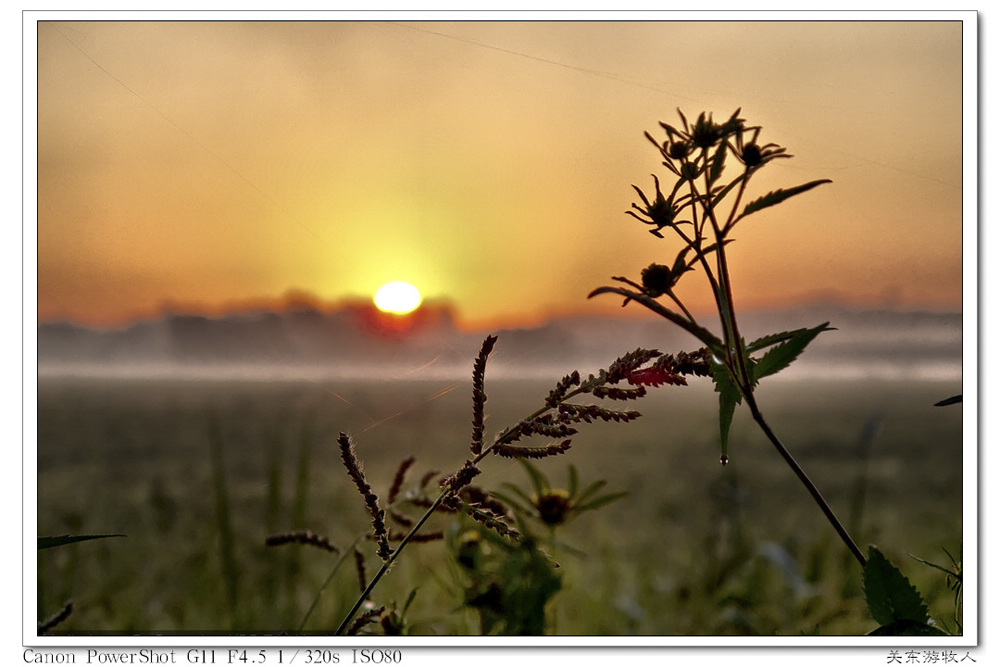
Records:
x=601, y=501
x=49, y=542
x=538, y=479
x=409, y=600
x=950, y=573
x=781, y=356
x=778, y=196
x=574, y=480
x=729, y=397
x=775, y=338
x=591, y=489
x=521, y=502
x=890, y=596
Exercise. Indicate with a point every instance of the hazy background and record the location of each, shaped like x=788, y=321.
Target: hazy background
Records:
x=204, y=164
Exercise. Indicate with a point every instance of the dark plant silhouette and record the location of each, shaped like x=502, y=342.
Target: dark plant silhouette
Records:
x=702, y=210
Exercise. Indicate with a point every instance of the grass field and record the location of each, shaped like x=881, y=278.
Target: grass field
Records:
x=197, y=474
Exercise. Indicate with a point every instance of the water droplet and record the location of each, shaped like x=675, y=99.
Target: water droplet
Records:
x=723, y=459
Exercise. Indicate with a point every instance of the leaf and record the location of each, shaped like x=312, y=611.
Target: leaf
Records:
x=781, y=356
x=49, y=542
x=538, y=479
x=890, y=596
x=950, y=573
x=409, y=600
x=907, y=628
x=774, y=339
x=729, y=397
x=718, y=163
x=726, y=190
x=522, y=502
x=949, y=401
x=591, y=489
x=680, y=264
x=574, y=480
x=601, y=501
x=605, y=290
x=704, y=335
x=710, y=249
x=778, y=196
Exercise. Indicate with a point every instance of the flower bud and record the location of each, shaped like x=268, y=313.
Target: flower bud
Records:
x=657, y=279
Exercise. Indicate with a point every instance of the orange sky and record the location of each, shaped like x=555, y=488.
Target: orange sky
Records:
x=487, y=163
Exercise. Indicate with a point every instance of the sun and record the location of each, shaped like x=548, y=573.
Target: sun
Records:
x=397, y=297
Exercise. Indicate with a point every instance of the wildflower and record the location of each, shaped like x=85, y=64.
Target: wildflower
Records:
x=661, y=211
x=658, y=279
x=679, y=150
x=752, y=154
x=553, y=506
x=705, y=133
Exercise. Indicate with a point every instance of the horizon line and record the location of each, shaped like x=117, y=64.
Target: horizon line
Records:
x=300, y=300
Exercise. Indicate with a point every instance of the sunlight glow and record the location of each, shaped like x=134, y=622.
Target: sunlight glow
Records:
x=397, y=297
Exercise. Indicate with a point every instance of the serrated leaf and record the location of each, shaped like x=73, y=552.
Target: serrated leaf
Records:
x=778, y=196
x=774, y=339
x=889, y=594
x=49, y=542
x=729, y=398
x=782, y=355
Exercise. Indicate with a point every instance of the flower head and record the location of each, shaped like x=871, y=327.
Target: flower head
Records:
x=658, y=279
x=658, y=211
x=705, y=133
x=752, y=154
x=555, y=506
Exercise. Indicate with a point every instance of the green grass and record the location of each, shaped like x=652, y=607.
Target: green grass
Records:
x=694, y=549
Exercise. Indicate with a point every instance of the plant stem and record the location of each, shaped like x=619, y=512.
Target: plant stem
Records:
x=329, y=578
x=804, y=478
x=389, y=561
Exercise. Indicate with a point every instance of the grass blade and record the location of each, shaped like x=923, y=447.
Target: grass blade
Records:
x=49, y=542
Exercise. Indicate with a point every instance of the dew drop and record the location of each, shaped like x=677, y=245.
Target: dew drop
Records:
x=723, y=459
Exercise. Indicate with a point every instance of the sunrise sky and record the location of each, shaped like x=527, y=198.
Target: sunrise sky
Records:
x=206, y=164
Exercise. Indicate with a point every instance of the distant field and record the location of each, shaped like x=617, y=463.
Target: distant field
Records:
x=695, y=549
